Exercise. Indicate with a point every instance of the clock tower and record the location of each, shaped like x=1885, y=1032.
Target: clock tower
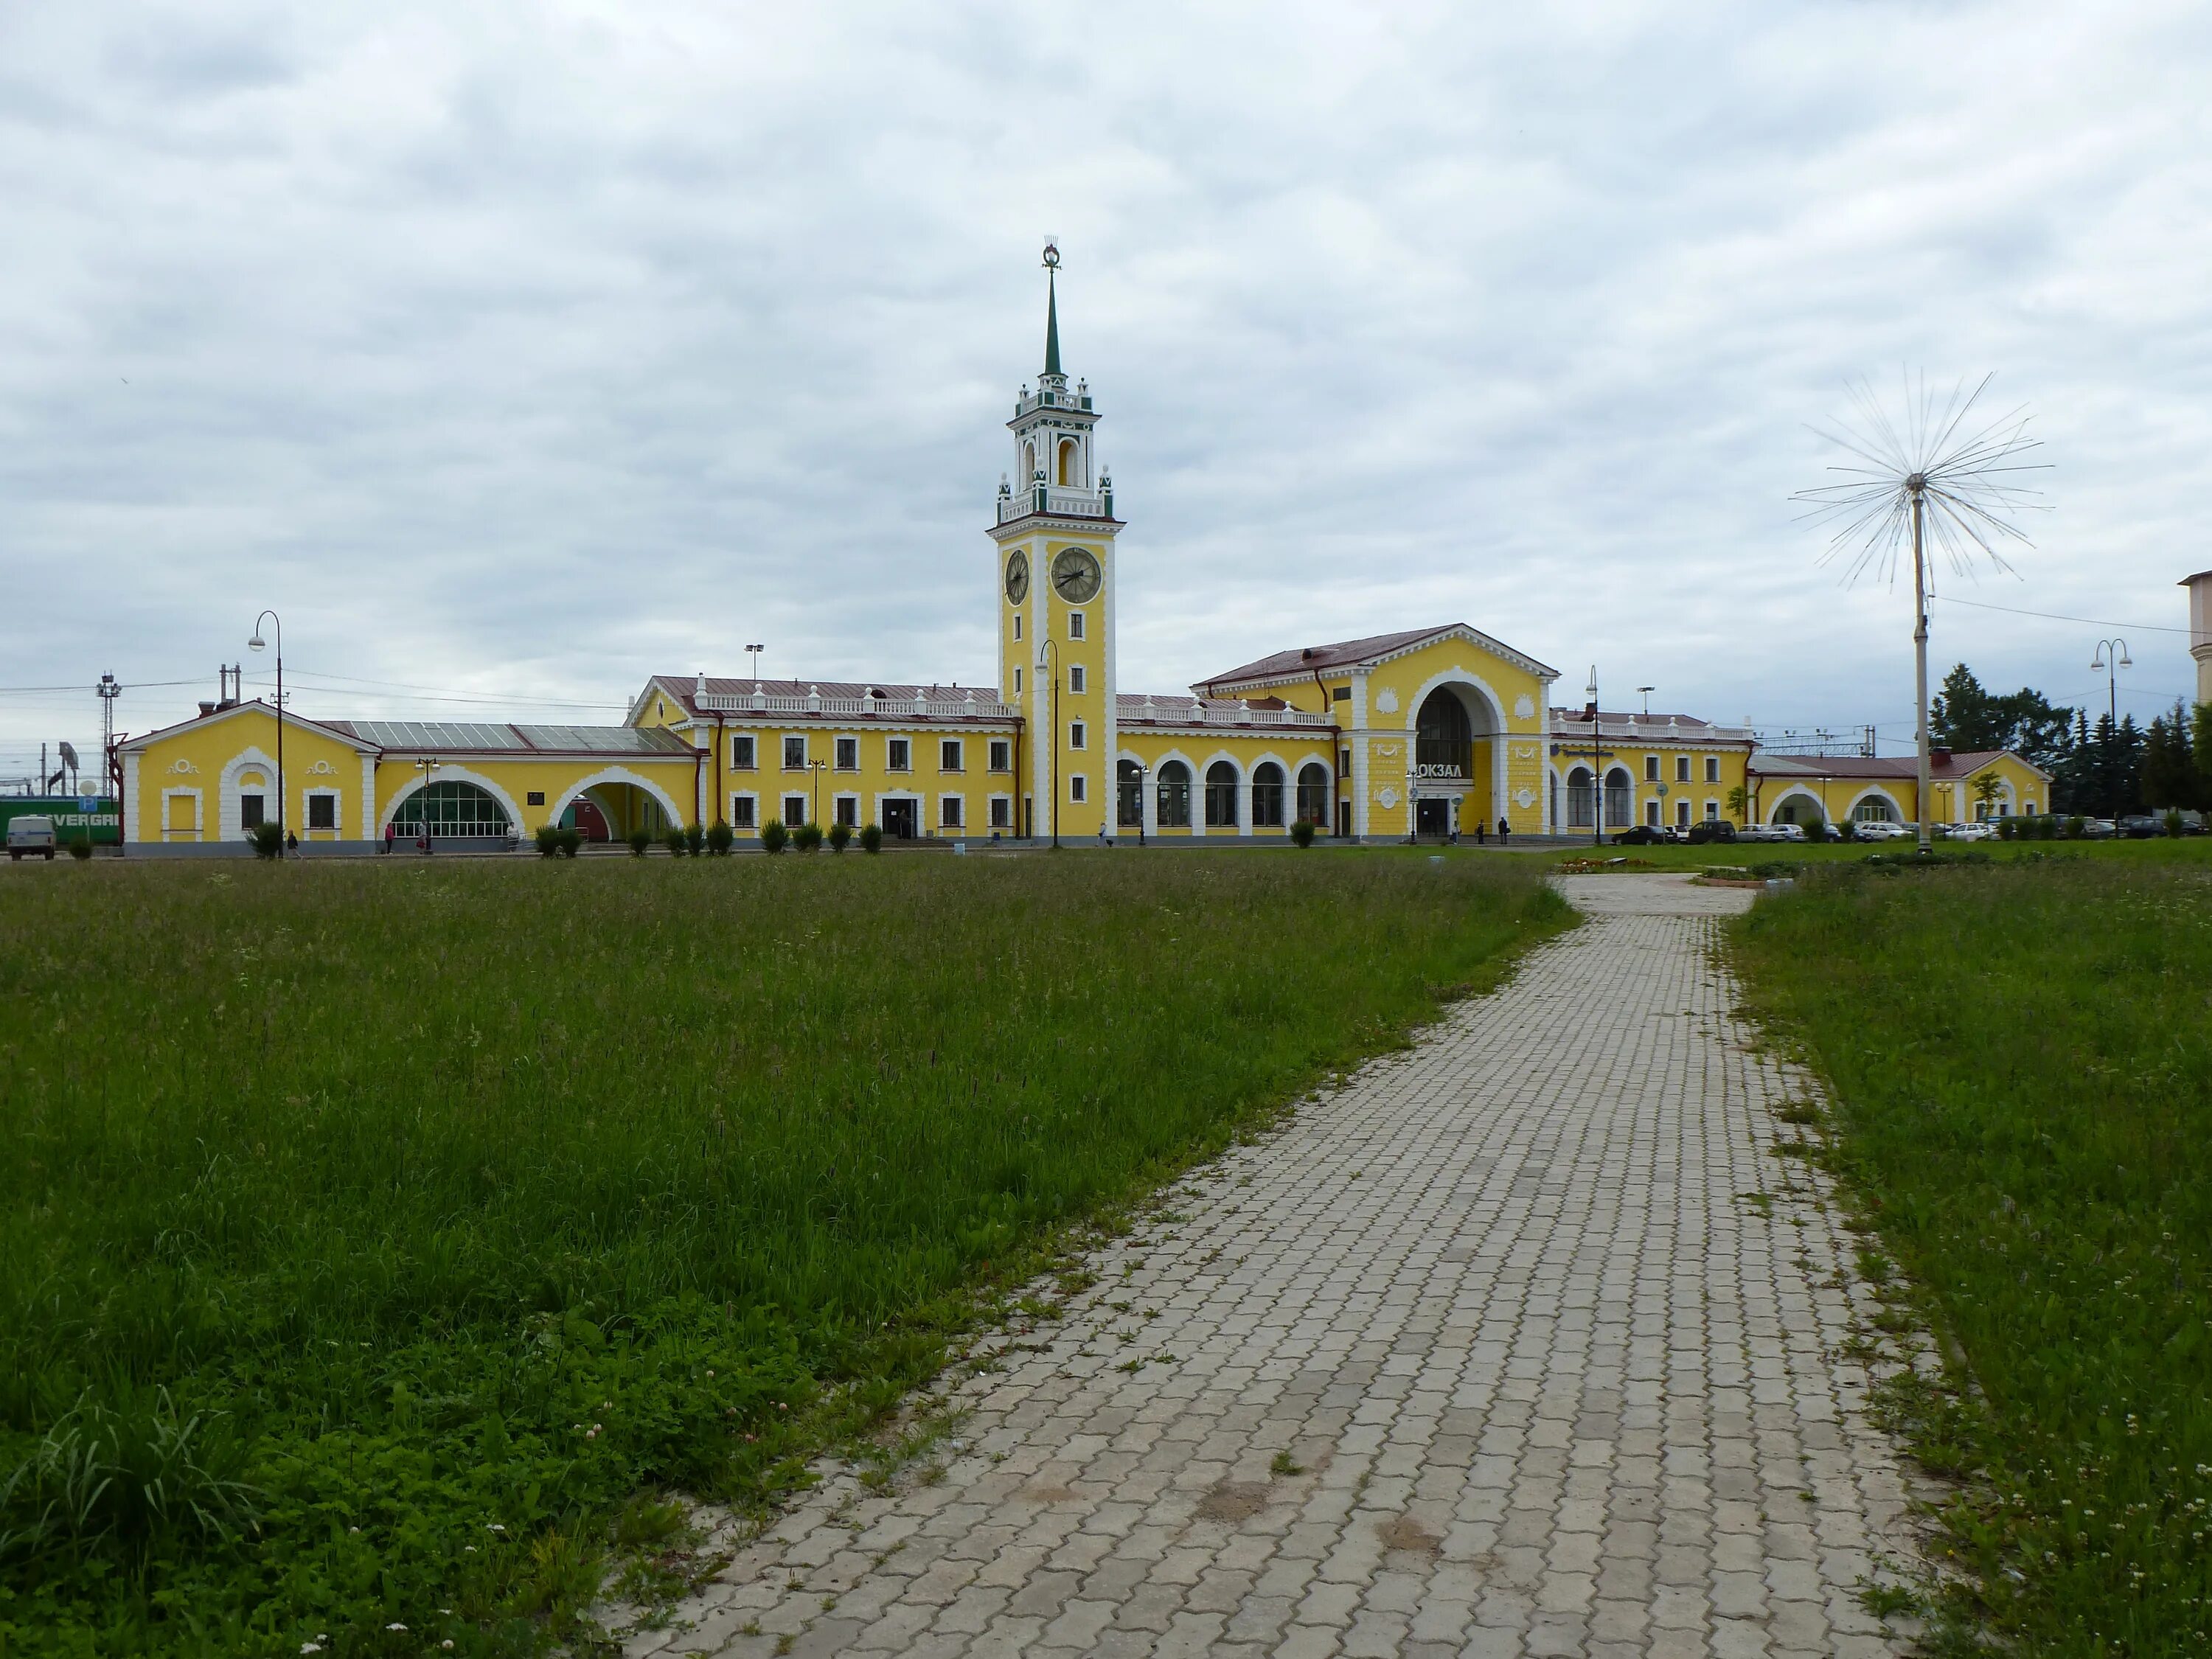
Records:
x=1053, y=588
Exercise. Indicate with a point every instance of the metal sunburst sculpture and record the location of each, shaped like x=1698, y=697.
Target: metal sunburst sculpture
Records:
x=1937, y=477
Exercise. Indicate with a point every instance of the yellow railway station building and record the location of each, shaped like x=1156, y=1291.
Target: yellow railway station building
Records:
x=1427, y=733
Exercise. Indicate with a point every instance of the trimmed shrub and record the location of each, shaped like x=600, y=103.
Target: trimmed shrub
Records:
x=571, y=841
x=1302, y=832
x=268, y=840
x=694, y=839
x=1815, y=828
x=548, y=840
x=2174, y=826
x=674, y=840
x=2075, y=826
x=639, y=840
x=774, y=836
x=719, y=838
x=840, y=835
x=871, y=838
x=80, y=849
x=806, y=837
x=2008, y=829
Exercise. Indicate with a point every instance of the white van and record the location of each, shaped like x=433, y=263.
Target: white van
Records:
x=30, y=834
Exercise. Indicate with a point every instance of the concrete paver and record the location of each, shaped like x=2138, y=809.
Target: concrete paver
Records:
x=1486, y=1352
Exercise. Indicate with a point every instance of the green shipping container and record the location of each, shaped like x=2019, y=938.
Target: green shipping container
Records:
x=75, y=817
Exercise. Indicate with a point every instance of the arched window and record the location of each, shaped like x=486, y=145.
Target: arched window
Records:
x=1220, y=796
x=1071, y=460
x=1579, y=799
x=1313, y=793
x=1619, y=788
x=1174, y=782
x=1443, y=741
x=1875, y=809
x=1029, y=464
x=1267, y=795
x=1128, y=794
x=451, y=808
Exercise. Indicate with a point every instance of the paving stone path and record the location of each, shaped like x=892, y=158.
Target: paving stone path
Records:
x=1485, y=1352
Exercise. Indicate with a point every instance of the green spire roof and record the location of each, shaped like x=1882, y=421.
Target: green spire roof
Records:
x=1051, y=326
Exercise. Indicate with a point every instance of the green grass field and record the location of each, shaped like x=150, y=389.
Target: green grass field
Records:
x=372, y=1236
x=2022, y=1059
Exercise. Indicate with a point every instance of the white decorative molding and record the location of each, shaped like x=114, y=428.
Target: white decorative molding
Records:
x=1524, y=797
x=322, y=769
x=1386, y=702
x=182, y=766
x=1386, y=797
x=1524, y=708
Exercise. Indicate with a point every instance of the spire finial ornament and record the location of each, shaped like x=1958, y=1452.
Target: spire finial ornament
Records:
x=1052, y=305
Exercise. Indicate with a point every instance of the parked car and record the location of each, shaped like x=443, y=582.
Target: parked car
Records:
x=2142, y=826
x=1770, y=832
x=2098, y=829
x=30, y=834
x=1884, y=830
x=1980, y=831
x=1710, y=830
x=1645, y=834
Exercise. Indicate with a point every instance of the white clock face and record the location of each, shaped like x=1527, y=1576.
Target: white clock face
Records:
x=1075, y=575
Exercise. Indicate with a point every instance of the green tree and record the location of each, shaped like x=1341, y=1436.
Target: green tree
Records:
x=2170, y=777
x=1966, y=717
x=1963, y=715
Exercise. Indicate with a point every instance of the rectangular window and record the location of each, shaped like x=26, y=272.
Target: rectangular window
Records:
x=1075, y=677
x=1342, y=693
x=1002, y=812
x=849, y=811
x=1002, y=752
x=1017, y=624
x=1681, y=769
x=1075, y=788
x=1651, y=812
x=741, y=752
x=1343, y=763
x=322, y=811
x=1651, y=769
x=948, y=756
x=1017, y=681
x=896, y=753
x=794, y=810
x=1712, y=810
x=741, y=811
x=1075, y=624
x=848, y=754
x=535, y=798
x=249, y=812
x=1712, y=769
x=1075, y=734
x=1682, y=814
x=948, y=812
x=794, y=754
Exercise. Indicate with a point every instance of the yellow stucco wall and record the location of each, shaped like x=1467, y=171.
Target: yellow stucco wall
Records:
x=2023, y=793
x=1658, y=791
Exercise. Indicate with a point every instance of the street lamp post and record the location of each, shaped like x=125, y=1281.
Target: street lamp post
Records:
x=256, y=644
x=1143, y=773
x=1051, y=648
x=818, y=768
x=2111, y=656
x=1597, y=766
x=426, y=766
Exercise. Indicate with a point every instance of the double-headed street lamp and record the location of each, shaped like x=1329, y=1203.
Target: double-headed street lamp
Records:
x=818, y=768
x=2111, y=656
x=256, y=644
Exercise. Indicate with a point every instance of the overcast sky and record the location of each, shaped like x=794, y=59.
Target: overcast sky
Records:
x=515, y=351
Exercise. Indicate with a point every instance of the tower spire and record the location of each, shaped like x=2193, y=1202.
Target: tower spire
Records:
x=1051, y=306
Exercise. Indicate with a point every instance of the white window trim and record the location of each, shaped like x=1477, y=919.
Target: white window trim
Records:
x=1079, y=789
x=338, y=811
x=1075, y=625
x=891, y=754
x=836, y=746
x=199, y=812
x=959, y=748
x=1079, y=736
x=1076, y=679
x=1010, y=826
x=950, y=797
x=752, y=795
x=736, y=738
x=784, y=801
x=783, y=752
x=852, y=795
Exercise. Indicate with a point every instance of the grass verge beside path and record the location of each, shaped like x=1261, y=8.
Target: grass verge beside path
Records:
x=2021, y=1057
x=371, y=1238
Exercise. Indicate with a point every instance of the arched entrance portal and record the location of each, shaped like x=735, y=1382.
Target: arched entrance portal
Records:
x=451, y=810
x=1454, y=733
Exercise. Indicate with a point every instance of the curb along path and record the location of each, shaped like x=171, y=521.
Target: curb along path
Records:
x=1485, y=1352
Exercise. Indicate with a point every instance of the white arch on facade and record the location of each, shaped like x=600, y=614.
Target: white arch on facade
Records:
x=1796, y=791
x=616, y=775
x=1266, y=757
x=1455, y=676
x=1197, y=789
x=1242, y=823
x=227, y=827
x=450, y=774
x=1876, y=791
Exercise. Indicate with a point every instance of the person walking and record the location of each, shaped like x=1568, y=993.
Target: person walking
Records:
x=1504, y=829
